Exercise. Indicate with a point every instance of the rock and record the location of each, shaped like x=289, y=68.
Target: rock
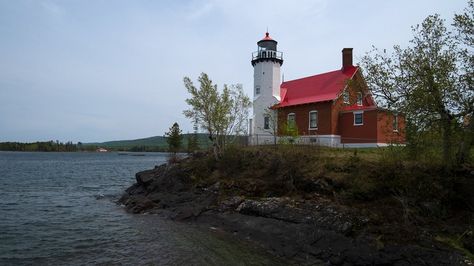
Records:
x=139, y=205
x=144, y=178
x=346, y=228
x=315, y=228
x=336, y=260
x=231, y=203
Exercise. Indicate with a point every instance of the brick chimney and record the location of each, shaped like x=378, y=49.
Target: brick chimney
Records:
x=346, y=58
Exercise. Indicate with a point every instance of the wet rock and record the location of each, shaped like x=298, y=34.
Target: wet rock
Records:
x=144, y=178
x=336, y=260
x=231, y=203
x=297, y=229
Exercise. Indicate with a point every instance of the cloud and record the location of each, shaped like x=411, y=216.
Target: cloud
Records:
x=200, y=9
x=53, y=8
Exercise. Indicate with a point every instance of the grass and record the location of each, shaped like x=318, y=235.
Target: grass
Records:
x=456, y=243
x=402, y=197
x=352, y=175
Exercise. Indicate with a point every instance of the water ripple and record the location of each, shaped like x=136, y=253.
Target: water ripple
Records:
x=58, y=209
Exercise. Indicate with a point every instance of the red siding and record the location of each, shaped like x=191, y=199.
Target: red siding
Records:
x=385, y=130
x=377, y=128
x=302, y=117
x=366, y=133
x=334, y=118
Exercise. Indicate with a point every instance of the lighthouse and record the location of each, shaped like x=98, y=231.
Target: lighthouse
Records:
x=266, y=62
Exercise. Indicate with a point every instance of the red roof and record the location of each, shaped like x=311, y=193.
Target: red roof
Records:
x=267, y=37
x=318, y=88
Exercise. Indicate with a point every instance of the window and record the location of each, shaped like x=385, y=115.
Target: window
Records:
x=395, y=122
x=291, y=120
x=266, y=122
x=346, y=96
x=257, y=90
x=313, y=119
x=358, y=118
x=359, y=98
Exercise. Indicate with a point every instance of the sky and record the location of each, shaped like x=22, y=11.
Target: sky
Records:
x=100, y=70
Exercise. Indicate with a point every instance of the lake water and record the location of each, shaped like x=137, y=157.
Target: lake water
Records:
x=59, y=209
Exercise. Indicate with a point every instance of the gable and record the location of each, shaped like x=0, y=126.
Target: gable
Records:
x=318, y=88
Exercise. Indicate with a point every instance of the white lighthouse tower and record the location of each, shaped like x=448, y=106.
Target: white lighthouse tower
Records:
x=266, y=62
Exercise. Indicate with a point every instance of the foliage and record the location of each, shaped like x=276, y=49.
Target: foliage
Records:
x=456, y=243
x=193, y=143
x=368, y=175
x=175, y=138
x=47, y=146
x=290, y=131
x=222, y=114
x=425, y=81
x=272, y=123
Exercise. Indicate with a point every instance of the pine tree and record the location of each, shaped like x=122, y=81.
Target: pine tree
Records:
x=175, y=138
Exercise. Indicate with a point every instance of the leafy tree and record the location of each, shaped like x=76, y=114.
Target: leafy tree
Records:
x=290, y=131
x=175, y=138
x=423, y=81
x=193, y=143
x=272, y=123
x=464, y=25
x=222, y=114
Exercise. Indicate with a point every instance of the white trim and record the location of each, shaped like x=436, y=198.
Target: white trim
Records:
x=369, y=145
x=358, y=113
x=259, y=90
x=309, y=120
x=344, y=93
x=325, y=136
x=395, y=121
x=266, y=117
x=288, y=118
x=361, y=98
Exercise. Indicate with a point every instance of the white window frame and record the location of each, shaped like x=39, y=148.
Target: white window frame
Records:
x=257, y=90
x=359, y=98
x=358, y=113
x=346, y=97
x=309, y=119
x=266, y=122
x=288, y=119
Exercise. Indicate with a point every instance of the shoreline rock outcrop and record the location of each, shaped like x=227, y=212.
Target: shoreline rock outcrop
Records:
x=305, y=231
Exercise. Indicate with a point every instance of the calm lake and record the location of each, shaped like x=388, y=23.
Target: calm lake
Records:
x=59, y=209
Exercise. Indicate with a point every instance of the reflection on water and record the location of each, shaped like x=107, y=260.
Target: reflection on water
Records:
x=58, y=208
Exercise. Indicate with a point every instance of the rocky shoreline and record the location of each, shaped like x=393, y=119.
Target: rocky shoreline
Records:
x=306, y=231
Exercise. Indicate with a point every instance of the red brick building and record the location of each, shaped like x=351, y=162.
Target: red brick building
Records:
x=333, y=108
x=337, y=108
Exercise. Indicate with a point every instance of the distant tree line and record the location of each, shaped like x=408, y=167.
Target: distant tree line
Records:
x=45, y=146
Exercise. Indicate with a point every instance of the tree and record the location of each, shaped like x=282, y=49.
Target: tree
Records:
x=272, y=126
x=464, y=25
x=422, y=81
x=193, y=143
x=222, y=114
x=174, y=138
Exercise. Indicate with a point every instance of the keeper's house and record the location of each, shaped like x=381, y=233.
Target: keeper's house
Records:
x=334, y=108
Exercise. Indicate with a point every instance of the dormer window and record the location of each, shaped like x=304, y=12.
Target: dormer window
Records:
x=359, y=98
x=345, y=97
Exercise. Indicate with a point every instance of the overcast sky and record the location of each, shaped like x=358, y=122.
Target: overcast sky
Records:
x=96, y=70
